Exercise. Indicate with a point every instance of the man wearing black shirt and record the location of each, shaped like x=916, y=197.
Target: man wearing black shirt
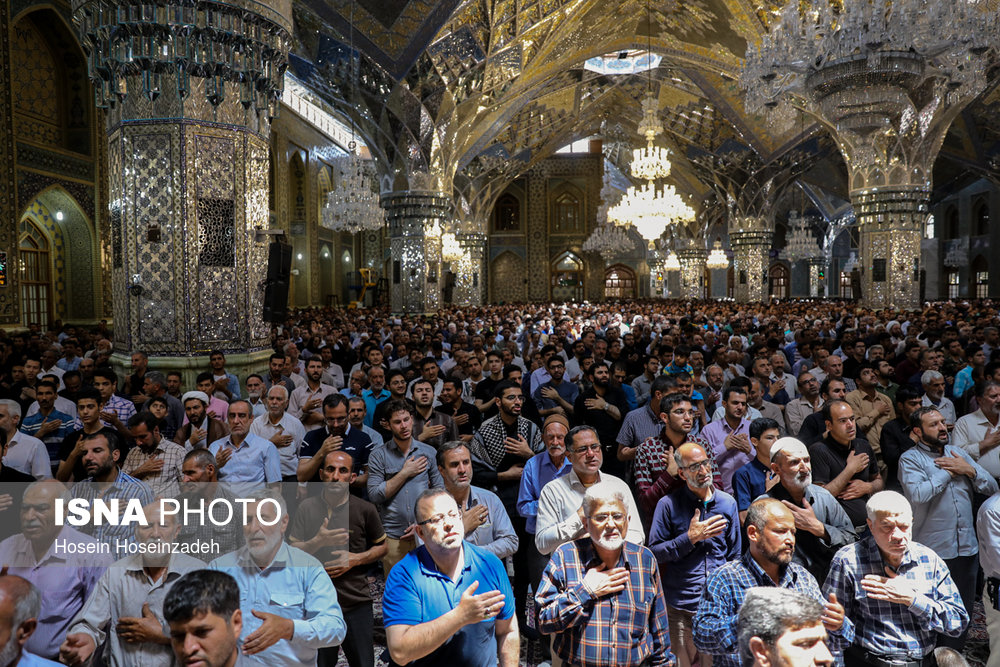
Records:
x=466, y=417
x=603, y=407
x=897, y=436
x=337, y=434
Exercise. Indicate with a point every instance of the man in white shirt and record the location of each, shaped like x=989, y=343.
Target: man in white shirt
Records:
x=560, y=505
x=306, y=403
x=283, y=430
x=978, y=433
x=23, y=452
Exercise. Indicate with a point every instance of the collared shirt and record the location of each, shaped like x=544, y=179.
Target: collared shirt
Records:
x=372, y=401
x=293, y=586
x=417, y=592
x=685, y=566
x=812, y=552
x=652, y=479
x=31, y=425
x=749, y=483
x=232, y=384
x=715, y=622
x=435, y=419
x=642, y=386
x=945, y=407
x=896, y=439
x=303, y=395
x=386, y=462
x=497, y=535
x=627, y=629
x=253, y=464
x=64, y=580
x=287, y=425
x=354, y=441
x=796, y=411
x=963, y=382
x=165, y=483
x=29, y=455
x=229, y=536
x=567, y=390
x=120, y=592
x=124, y=488
x=62, y=404
x=942, y=503
x=728, y=460
x=375, y=436
x=988, y=529
x=123, y=408
x=829, y=458
x=558, y=519
x=969, y=432
x=638, y=426
x=538, y=471
x=888, y=629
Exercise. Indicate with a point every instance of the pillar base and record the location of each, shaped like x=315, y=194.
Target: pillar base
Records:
x=239, y=364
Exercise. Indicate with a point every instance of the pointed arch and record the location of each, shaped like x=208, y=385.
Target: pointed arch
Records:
x=620, y=282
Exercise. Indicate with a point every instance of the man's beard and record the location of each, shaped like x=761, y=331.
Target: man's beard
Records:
x=802, y=481
x=610, y=543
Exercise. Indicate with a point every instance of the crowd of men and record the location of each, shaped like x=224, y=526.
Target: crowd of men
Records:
x=656, y=483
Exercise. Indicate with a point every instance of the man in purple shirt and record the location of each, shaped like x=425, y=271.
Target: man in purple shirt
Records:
x=729, y=437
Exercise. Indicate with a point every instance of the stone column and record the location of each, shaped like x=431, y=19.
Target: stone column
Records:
x=415, y=280
x=471, y=270
x=750, y=262
x=891, y=221
x=190, y=90
x=816, y=283
x=692, y=272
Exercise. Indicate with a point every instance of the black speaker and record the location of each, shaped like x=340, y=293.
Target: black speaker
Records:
x=279, y=266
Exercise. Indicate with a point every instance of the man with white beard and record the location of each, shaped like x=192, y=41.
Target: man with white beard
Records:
x=126, y=605
x=821, y=523
x=20, y=604
x=600, y=590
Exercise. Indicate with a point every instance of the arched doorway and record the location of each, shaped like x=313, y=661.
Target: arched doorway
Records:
x=566, y=278
x=778, y=279
x=619, y=282
x=35, y=275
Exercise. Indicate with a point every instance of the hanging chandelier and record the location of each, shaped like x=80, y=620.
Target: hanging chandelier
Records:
x=652, y=162
x=610, y=241
x=717, y=259
x=801, y=242
x=650, y=209
x=353, y=205
x=672, y=263
x=451, y=249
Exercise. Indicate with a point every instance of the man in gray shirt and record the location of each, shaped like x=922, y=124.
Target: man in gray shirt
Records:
x=398, y=471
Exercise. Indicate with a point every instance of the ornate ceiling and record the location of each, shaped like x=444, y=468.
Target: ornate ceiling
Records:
x=468, y=94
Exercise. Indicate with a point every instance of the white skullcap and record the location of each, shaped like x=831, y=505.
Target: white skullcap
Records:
x=787, y=444
x=200, y=395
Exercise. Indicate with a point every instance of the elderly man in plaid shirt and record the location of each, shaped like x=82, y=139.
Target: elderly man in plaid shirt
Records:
x=898, y=592
x=601, y=596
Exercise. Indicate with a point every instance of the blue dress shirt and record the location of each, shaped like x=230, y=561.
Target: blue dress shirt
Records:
x=294, y=586
x=253, y=464
x=538, y=472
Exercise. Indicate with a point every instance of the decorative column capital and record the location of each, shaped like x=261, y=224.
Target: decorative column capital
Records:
x=756, y=237
x=407, y=211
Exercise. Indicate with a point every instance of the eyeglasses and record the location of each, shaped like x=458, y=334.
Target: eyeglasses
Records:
x=603, y=518
x=695, y=467
x=596, y=447
x=438, y=518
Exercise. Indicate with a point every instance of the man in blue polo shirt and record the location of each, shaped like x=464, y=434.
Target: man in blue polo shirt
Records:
x=448, y=602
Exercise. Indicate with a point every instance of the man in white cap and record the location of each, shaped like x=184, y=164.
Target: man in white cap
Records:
x=201, y=428
x=821, y=523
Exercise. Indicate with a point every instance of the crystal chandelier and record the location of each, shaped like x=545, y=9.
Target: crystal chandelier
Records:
x=717, y=259
x=651, y=162
x=672, y=263
x=650, y=209
x=610, y=241
x=801, y=243
x=871, y=43
x=451, y=249
x=353, y=205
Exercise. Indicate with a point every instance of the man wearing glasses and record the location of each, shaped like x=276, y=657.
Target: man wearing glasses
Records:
x=561, y=516
x=695, y=530
x=337, y=434
x=448, y=602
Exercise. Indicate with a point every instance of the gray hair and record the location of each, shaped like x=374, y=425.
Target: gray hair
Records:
x=888, y=502
x=768, y=612
x=930, y=376
x=602, y=492
x=156, y=377
x=280, y=387
x=27, y=599
x=13, y=407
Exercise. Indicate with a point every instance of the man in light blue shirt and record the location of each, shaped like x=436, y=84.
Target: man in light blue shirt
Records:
x=939, y=480
x=288, y=602
x=246, y=461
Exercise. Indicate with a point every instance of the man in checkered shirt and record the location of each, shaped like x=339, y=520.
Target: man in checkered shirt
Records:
x=899, y=593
